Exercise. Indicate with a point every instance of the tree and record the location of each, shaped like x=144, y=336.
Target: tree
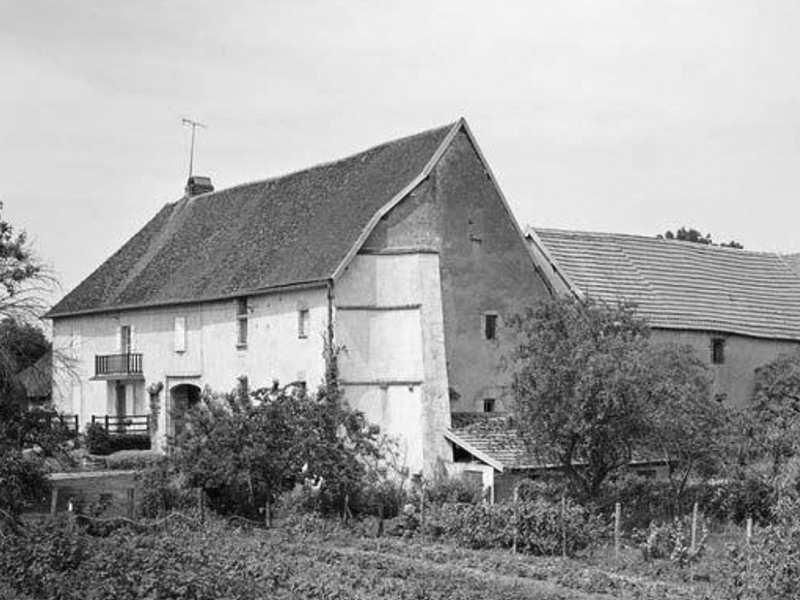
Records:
x=245, y=449
x=693, y=235
x=775, y=412
x=591, y=391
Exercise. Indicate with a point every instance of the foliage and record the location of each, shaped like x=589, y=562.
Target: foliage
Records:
x=162, y=490
x=124, y=460
x=590, y=391
x=247, y=450
x=769, y=566
x=102, y=443
x=22, y=482
x=541, y=526
x=775, y=412
x=672, y=540
x=692, y=235
x=457, y=490
x=22, y=343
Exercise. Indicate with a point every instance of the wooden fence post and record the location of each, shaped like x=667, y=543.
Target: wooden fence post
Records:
x=749, y=530
x=516, y=517
x=131, y=503
x=563, y=526
x=53, y=502
x=693, y=547
x=617, y=525
x=422, y=509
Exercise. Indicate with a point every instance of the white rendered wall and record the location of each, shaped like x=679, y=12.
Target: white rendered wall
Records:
x=389, y=328
x=211, y=357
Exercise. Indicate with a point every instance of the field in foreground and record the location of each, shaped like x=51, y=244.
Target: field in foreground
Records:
x=219, y=561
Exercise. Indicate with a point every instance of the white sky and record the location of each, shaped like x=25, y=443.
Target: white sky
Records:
x=623, y=115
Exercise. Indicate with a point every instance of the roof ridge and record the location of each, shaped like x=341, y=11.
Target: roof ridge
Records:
x=322, y=164
x=638, y=236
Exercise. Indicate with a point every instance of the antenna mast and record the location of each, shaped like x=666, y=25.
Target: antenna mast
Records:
x=194, y=125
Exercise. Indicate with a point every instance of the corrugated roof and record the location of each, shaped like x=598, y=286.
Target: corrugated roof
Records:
x=683, y=285
x=293, y=229
x=793, y=260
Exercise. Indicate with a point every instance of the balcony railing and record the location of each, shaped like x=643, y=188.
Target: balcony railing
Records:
x=118, y=364
x=124, y=424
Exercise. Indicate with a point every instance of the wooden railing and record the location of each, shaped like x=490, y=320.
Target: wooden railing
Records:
x=113, y=364
x=124, y=424
x=67, y=423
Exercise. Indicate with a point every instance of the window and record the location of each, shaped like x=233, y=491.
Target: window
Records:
x=303, y=321
x=241, y=323
x=717, y=351
x=180, y=334
x=489, y=405
x=125, y=339
x=490, y=326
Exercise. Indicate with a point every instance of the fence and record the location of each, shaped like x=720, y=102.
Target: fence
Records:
x=123, y=424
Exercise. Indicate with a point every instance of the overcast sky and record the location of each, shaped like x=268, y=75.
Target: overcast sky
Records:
x=621, y=115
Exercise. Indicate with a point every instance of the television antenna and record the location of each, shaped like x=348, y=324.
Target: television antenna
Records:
x=194, y=125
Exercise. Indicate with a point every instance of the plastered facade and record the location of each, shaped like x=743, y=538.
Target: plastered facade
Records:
x=211, y=356
x=735, y=376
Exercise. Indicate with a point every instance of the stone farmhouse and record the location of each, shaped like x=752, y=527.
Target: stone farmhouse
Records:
x=405, y=257
x=739, y=310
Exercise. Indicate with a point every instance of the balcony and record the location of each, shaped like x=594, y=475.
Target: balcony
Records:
x=118, y=366
x=124, y=424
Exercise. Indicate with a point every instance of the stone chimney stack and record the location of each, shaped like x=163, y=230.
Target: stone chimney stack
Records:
x=197, y=185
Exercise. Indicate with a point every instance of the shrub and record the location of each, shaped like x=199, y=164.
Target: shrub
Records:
x=446, y=489
x=162, y=490
x=671, y=540
x=539, y=525
x=735, y=500
x=101, y=442
x=769, y=566
x=133, y=459
x=22, y=482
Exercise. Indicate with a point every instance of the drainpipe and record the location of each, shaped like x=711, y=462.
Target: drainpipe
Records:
x=330, y=353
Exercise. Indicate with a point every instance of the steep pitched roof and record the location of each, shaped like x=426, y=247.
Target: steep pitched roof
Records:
x=38, y=378
x=682, y=285
x=298, y=228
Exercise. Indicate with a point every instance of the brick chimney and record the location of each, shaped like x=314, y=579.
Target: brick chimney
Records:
x=197, y=185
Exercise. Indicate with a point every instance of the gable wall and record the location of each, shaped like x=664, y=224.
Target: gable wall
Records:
x=484, y=263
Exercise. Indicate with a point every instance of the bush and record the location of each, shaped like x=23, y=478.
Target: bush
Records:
x=101, y=442
x=671, y=540
x=769, y=567
x=539, y=526
x=446, y=489
x=162, y=490
x=22, y=482
x=735, y=500
x=133, y=459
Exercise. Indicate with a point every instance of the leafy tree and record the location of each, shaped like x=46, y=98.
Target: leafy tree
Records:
x=244, y=450
x=775, y=412
x=693, y=235
x=592, y=392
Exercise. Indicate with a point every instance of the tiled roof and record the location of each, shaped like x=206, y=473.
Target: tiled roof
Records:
x=683, y=285
x=293, y=229
x=495, y=436
x=793, y=260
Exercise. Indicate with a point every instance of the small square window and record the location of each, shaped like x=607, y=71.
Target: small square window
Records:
x=717, y=351
x=303, y=321
x=490, y=326
x=489, y=405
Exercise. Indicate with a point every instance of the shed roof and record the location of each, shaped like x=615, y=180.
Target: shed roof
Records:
x=294, y=229
x=681, y=285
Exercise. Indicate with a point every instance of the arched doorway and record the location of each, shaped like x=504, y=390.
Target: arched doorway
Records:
x=182, y=397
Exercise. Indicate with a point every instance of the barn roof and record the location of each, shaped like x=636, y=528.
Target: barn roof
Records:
x=295, y=229
x=680, y=285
